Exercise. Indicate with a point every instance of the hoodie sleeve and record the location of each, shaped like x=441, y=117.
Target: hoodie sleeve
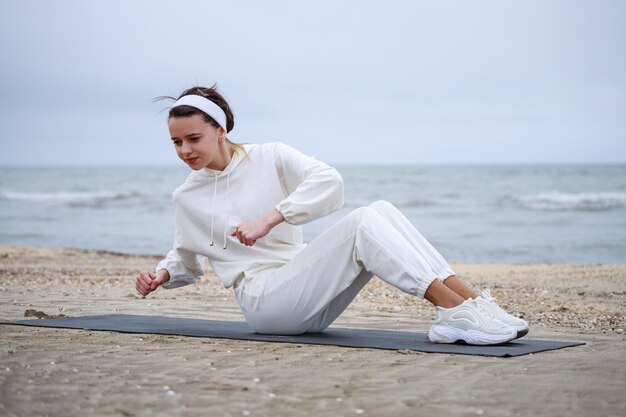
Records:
x=185, y=267
x=313, y=189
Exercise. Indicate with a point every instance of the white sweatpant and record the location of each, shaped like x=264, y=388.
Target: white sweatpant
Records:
x=317, y=285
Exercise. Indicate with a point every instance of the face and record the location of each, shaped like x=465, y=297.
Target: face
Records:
x=197, y=143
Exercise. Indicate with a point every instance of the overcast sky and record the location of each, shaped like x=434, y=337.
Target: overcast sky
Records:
x=345, y=81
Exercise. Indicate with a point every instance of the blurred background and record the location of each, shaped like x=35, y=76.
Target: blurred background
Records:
x=498, y=127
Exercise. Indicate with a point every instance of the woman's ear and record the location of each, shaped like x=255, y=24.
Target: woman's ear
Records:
x=221, y=134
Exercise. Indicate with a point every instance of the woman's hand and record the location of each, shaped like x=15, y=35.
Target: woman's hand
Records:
x=147, y=281
x=249, y=232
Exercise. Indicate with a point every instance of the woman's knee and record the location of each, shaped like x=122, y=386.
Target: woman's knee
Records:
x=361, y=214
x=375, y=208
x=383, y=206
x=365, y=215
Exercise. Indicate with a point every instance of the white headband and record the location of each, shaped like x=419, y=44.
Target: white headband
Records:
x=205, y=105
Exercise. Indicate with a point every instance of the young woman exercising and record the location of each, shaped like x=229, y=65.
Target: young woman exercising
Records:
x=242, y=207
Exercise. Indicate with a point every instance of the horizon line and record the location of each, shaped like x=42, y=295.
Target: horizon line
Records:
x=344, y=164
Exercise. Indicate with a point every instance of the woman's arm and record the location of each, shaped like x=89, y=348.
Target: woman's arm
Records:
x=179, y=268
x=147, y=281
x=313, y=189
x=183, y=268
x=249, y=232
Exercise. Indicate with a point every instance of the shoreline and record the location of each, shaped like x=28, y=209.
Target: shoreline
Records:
x=46, y=371
x=154, y=255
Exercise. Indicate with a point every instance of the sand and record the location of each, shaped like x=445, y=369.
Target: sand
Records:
x=60, y=372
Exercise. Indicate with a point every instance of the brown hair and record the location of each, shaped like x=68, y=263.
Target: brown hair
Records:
x=209, y=93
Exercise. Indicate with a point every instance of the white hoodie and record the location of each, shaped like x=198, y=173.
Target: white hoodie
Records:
x=210, y=204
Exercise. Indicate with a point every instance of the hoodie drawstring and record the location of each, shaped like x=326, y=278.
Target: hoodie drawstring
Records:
x=213, y=211
x=227, y=205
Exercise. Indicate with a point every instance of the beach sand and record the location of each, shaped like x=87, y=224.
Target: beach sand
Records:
x=60, y=372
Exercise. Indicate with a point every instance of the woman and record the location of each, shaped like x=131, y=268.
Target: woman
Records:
x=242, y=207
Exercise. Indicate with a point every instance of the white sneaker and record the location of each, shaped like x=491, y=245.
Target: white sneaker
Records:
x=491, y=308
x=468, y=323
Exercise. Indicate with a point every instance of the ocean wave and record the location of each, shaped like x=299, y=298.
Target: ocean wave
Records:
x=66, y=196
x=416, y=203
x=560, y=201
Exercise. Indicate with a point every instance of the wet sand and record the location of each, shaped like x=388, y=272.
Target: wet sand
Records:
x=61, y=372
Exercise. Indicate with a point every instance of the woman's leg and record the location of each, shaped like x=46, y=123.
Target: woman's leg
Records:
x=312, y=290
x=405, y=228
x=415, y=238
x=453, y=291
x=442, y=296
x=455, y=284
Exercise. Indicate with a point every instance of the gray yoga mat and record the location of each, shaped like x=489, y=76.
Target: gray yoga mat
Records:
x=360, y=338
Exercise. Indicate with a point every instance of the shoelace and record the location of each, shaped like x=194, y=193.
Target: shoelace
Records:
x=482, y=310
x=486, y=295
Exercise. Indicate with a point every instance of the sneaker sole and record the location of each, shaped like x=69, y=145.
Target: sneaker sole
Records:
x=447, y=334
x=522, y=333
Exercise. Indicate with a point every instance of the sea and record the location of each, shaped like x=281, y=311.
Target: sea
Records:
x=470, y=213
